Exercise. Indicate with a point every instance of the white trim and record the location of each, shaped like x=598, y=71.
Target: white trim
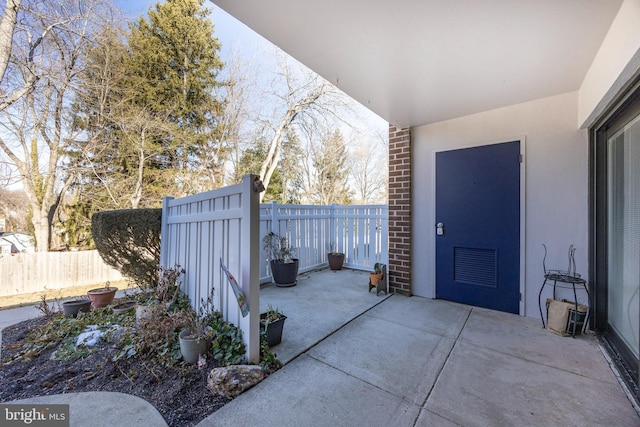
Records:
x=522, y=140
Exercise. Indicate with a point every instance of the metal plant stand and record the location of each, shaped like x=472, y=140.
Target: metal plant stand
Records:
x=567, y=279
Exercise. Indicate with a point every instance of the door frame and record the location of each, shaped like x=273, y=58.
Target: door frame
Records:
x=522, y=140
x=625, y=107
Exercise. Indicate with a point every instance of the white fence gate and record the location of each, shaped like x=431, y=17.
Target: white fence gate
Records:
x=200, y=230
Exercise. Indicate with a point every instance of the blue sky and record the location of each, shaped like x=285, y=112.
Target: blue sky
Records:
x=229, y=31
x=247, y=44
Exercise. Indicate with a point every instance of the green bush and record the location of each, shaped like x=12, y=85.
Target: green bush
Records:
x=227, y=345
x=129, y=241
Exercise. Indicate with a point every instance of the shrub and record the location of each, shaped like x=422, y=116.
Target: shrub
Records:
x=129, y=241
x=227, y=345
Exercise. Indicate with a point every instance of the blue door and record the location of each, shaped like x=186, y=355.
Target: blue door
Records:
x=478, y=226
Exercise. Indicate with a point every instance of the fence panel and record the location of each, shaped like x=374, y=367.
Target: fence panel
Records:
x=306, y=226
x=360, y=232
x=201, y=230
x=34, y=272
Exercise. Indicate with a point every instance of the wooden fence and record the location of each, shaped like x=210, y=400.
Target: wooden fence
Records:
x=34, y=272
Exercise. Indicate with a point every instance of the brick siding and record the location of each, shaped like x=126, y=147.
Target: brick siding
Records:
x=400, y=210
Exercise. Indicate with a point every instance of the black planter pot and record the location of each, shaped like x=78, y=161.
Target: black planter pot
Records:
x=73, y=307
x=285, y=273
x=335, y=260
x=273, y=330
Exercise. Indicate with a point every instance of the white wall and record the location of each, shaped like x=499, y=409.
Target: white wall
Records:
x=556, y=161
x=616, y=62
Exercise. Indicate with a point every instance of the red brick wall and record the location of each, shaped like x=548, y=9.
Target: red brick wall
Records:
x=400, y=210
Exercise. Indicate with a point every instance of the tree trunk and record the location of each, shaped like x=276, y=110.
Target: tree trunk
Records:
x=41, y=230
x=6, y=33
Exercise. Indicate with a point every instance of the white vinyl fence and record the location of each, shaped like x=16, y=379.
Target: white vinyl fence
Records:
x=228, y=224
x=34, y=272
x=360, y=232
x=200, y=230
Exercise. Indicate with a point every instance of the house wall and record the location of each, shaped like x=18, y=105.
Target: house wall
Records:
x=615, y=64
x=556, y=185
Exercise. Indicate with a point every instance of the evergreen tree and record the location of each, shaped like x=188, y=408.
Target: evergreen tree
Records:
x=174, y=63
x=148, y=108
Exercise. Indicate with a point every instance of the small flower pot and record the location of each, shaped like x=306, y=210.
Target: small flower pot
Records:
x=73, y=307
x=101, y=297
x=335, y=260
x=143, y=313
x=374, y=277
x=273, y=330
x=124, y=307
x=191, y=348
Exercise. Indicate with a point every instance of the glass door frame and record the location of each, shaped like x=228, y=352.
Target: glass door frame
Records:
x=627, y=107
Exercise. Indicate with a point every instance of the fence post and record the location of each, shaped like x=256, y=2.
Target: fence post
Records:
x=333, y=233
x=250, y=244
x=164, y=238
x=275, y=226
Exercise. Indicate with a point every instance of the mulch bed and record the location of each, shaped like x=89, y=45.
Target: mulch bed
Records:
x=180, y=395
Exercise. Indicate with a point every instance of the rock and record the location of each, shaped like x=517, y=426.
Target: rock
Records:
x=230, y=381
x=90, y=336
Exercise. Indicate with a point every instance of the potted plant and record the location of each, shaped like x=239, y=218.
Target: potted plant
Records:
x=336, y=259
x=193, y=338
x=284, y=268
x=73, y=307
x=272, y=323
x=124, y=307
x=102, y=297
x=375, y=276
x=196, y=337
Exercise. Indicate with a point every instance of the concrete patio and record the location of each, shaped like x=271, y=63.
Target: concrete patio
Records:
x=421, y=362
x=357, y=359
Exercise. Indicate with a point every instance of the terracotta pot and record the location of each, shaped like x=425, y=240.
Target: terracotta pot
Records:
x=335, y=260
x=102, y=297
x=374, y=277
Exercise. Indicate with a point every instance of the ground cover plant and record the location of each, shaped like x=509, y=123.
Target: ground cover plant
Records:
x=41, y=356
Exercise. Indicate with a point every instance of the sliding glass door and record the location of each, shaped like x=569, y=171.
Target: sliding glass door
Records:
x=623, y=217
x=615, y=234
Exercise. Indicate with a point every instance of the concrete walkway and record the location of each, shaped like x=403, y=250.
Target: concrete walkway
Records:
x=357, y=359
x=421, y=362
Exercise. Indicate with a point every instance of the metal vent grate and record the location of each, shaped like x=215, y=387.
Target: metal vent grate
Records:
x=475, y=266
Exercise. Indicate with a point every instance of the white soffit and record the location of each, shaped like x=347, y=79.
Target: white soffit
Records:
x=415, y=62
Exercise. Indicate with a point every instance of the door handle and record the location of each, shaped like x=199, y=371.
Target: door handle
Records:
x=440, y=229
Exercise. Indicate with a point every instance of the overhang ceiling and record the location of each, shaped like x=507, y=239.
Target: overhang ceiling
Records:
x=415, y=62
